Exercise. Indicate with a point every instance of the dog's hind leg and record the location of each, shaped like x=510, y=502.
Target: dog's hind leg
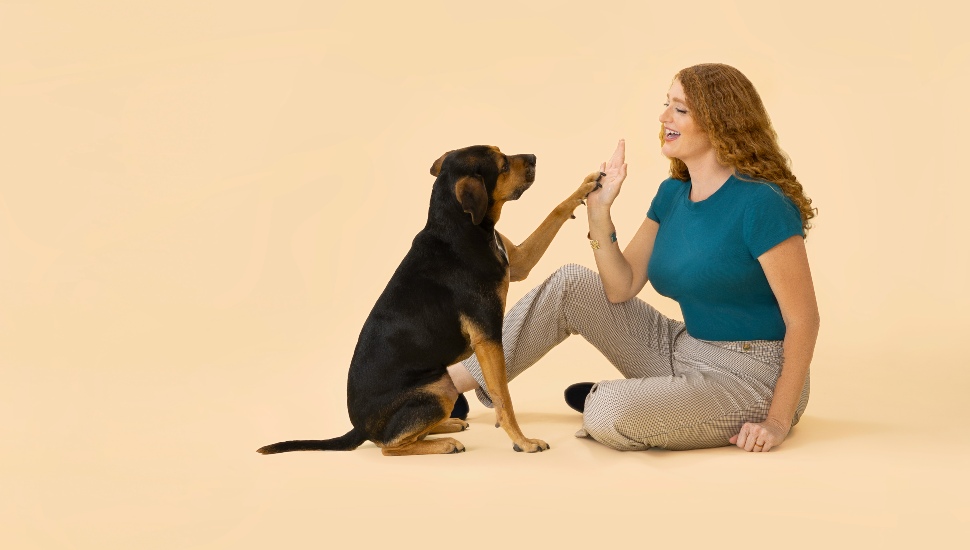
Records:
x=448, y=426
x=444, y=445
x=424, y=411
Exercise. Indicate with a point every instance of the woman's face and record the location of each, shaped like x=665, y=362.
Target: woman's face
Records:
x=683, y=138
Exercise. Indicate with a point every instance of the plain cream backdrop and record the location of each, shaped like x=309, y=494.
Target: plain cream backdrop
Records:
x=200, y=201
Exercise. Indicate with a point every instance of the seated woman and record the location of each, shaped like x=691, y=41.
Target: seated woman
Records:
x=724, y=237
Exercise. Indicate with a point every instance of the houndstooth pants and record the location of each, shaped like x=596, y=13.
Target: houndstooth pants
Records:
x=678, y=392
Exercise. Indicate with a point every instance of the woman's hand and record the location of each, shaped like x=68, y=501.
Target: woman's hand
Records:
x=760, y=437
x=615, y=171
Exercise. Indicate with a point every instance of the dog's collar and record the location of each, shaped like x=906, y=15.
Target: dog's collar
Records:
x=500, y=246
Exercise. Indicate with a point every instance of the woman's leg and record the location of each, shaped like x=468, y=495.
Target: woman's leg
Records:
x=714, y=390
x=634, y=336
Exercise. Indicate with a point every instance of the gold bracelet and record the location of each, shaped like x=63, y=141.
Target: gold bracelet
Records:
x=595, y=245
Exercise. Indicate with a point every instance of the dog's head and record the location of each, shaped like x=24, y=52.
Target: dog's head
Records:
x=483, y=178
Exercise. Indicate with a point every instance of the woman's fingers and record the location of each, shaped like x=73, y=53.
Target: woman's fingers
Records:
x=738, y=438
x=752, y=441
x=614, y=172
x=747, y=437
x=750, y=438
x=758, y=437
x=618, y=155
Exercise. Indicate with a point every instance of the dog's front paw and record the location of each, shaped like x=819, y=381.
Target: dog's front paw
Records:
x=531, y=446
x=590, y=184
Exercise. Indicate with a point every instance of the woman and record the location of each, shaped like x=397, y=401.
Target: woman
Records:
x=724, y=236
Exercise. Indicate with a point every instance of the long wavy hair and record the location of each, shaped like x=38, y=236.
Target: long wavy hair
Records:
x=725, y=105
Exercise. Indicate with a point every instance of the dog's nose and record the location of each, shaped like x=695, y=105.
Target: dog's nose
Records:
x=531, y=159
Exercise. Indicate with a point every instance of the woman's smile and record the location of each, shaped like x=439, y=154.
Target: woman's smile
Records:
x=670, y=135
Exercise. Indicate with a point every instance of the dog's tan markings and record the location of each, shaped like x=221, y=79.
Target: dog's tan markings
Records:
x=449, y=425
x=441, y=446
x=492, y=360
x=446, y=392
x=495, y=212
x=504, y=185
x=414, y=443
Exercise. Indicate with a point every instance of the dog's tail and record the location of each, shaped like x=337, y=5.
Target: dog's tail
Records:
x=347, y=442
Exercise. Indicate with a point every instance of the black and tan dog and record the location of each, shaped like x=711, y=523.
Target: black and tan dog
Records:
x=445, y=301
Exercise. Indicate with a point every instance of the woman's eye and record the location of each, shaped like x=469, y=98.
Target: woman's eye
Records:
x=681, y=111
x=666, y=104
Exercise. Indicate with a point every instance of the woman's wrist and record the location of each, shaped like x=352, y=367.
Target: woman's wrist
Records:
x=598, y=214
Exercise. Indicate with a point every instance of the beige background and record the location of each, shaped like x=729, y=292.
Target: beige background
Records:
x=200, y=201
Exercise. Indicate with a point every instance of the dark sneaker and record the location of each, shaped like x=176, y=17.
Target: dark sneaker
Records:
x=461, y=408
x=576, y=395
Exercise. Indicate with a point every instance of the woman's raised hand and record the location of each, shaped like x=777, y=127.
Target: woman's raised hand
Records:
x=615, y=171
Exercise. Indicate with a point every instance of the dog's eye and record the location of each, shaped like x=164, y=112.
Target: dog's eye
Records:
x=505, y=168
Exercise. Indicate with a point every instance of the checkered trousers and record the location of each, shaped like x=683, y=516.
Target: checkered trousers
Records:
x=677, y=393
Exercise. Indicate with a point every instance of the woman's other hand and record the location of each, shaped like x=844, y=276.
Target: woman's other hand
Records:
x=760, y=437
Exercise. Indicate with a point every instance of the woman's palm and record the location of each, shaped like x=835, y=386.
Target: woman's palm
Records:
x=615, y=171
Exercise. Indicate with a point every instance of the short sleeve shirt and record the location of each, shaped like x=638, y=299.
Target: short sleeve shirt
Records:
x=706, y=256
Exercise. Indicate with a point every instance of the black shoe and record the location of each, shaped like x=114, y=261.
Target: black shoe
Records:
x=576, y=395
x=461, y=408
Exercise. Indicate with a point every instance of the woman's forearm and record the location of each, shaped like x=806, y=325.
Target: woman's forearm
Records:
x=614, y=269
x=799, y=346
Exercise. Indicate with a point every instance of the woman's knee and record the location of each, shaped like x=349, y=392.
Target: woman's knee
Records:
x=614, y=420
x=572, y=274
x=580, y=285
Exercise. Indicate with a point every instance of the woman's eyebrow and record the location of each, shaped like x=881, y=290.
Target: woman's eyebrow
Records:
x=677, y=99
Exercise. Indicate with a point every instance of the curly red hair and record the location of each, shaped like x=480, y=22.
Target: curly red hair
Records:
x=725, y=105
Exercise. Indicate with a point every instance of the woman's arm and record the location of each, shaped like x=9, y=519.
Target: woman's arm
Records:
x=624, y=273
x=786, y=267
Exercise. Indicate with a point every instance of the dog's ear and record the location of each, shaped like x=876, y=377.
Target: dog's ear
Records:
x=436, y=167
x=470, y=192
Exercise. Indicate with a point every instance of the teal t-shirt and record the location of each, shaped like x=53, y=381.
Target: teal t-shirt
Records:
x=706, y=256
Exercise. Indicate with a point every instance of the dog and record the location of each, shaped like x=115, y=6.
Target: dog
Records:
x=444, y=302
